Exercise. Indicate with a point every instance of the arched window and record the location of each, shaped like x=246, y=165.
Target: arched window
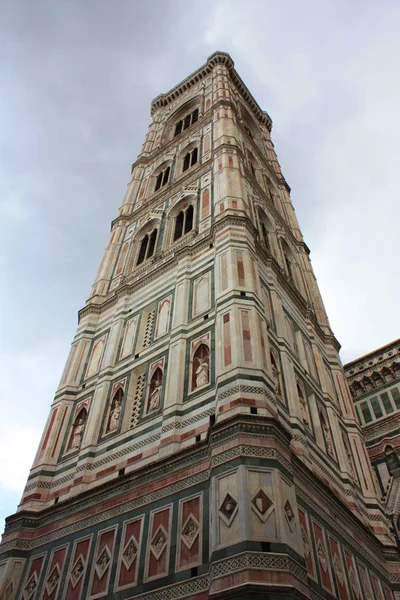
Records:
x=186, y=122
x=391, y=459
x=265, y=237
x=162, y=178
x=147, y=246
x=184, y=222
x=288, y=260
x=190, y=159
x=201, y=367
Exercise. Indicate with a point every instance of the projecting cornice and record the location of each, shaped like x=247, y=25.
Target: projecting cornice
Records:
x=218, y=58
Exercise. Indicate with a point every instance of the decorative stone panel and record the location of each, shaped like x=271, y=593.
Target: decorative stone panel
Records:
x=129, y=554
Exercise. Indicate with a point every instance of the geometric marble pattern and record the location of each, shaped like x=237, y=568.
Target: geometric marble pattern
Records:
x=228, y=509
x=261, y=504
x=130, y=552
x=159, y=542
x=103, y=562
x=77, y=570
x=53, y=580
x=190, y=531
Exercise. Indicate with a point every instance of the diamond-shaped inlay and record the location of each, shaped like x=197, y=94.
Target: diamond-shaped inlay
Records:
x=190, y=531
x=159, y=542
x=130, y=553
x=77, y=571
x=306, y=541
x=337, y=567
x=354, y=582
x=261, y=504
x=102, y=563
x=323, y=561
x=289, y=514
x=30, y=587
x=228, y=508
x=53, y=580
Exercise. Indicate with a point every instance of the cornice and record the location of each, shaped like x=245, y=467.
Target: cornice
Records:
x=217, y=58
x=357, y=363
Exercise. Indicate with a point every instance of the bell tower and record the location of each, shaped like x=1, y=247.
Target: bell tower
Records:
x=202, y=442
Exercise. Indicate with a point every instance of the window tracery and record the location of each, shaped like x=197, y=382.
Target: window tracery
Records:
x=183, y=222
x=186, y=122
x=147, y=246
x=190, y=159
x=162, y=178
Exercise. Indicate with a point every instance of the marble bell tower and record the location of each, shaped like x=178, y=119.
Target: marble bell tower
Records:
x=202, y=442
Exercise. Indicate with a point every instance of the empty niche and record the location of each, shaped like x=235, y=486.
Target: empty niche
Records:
x=201, y=294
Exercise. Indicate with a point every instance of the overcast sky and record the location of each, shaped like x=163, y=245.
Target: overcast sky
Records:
x=76, y=81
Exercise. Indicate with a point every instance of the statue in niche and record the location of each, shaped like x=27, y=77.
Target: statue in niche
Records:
x=115, y=412
x=349, y=457
x=155, y=390
x=275, y=375
x=303, y=408
x=327, y=435
x=201, y=367
x=79, y=428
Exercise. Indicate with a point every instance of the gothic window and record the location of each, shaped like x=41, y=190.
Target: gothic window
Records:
x=162, y=178
x=147, y=246
x=186, y=122
x=184, y=222
x=201, y=367
x=190, y=159
x=265, y=237
x=289, y=262
x=391, y=459
x=115, y=411
x=155, y=390
x=265, y=229
x=78, y=430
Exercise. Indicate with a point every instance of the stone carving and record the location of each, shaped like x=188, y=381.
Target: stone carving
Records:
x=201, y=367
x=103, y=562
x=115, y=412
x=337, y=567
x=155, y=390
x=327, y=435
x=130, y=552
x=79, y=428
x=190, y=531
x=354, y=582
x=77, y=571
x=306, y=541
x=228, y=509
x=30, y=587
x=290, y=516
x=53, y=580
x=323, y=561
x=159, y=542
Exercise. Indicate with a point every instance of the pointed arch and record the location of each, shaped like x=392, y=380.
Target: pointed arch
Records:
x=201, y=366
x=115, y=409
x=78, y=429
x=154, y=399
